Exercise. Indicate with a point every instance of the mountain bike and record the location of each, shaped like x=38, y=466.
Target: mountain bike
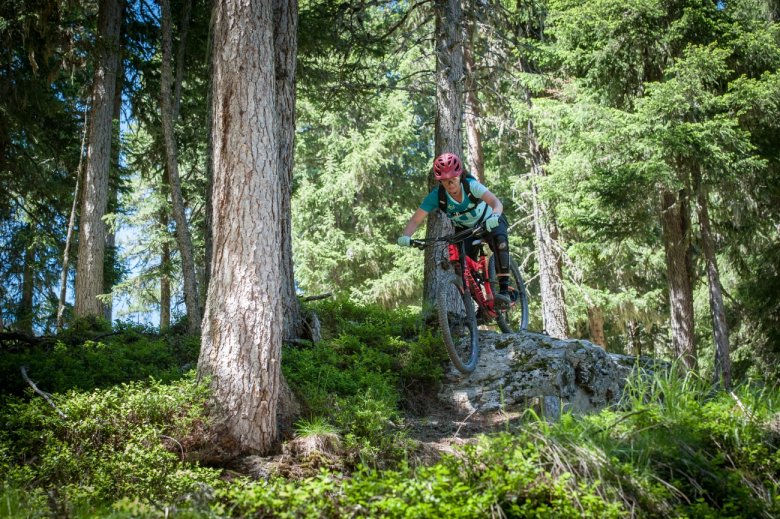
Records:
x=466, y=298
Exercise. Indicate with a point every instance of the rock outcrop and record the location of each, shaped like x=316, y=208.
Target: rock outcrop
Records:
x=525, y=369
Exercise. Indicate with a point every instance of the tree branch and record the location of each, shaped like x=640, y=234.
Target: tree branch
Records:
x=317, y=297
x=44, y=394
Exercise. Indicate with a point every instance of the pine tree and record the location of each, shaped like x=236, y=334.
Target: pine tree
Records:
x=243, y=322
x=92, y=231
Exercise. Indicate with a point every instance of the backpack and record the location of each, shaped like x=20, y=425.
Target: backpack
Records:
x=474, y=201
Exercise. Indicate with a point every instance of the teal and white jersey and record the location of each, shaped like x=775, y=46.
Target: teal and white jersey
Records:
x=468, y=218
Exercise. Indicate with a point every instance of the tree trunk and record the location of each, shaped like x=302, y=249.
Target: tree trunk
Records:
x=634, y=338
x=165, y=280
x=674, y=222
x=208, y=238
x=285, y=46
x=183, y=239
x=596, y=326
x=548, y=251
x=92, y=229
x=113, y=186
x=554, y=317
x=449, y=112
x=184, y=30
x=720, y=330
x=69, y=234
x=473, y=111
x=24, y=312
x=242, y=329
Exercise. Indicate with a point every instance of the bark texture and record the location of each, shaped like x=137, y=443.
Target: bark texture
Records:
x=548, y=252
x=183, y=238
x=113, y=186
x=473, y=111
x=242, y=328
x=69, y=234
x=596, y=326
x=92, y=229
x=449, y=115
x=24, y=312
x=720, y=329
x=165, y=280
x=675, y=221
x=634, y=338
x=554, y=317
x=208, y=238
x=285, y=43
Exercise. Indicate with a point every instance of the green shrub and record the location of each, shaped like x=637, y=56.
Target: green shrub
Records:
x=494, y=478
x=357, y=375
x=126, y=441
x=74, y=361
x=674, y=447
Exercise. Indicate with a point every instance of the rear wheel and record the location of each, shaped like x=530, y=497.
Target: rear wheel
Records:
x=458, y=322
x=514, y=318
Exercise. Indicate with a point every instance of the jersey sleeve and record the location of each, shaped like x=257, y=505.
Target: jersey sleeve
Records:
x=430, y=202
x=477, y=189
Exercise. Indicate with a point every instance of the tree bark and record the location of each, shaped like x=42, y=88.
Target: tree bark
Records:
x=92, y=229
x=596, y=326
x=675, y=224
x=548, y=251
x=634, y=338
x=554, y=316
x=208, y=238
x=69, y=234
x=113, y=185
x=165, y=280
x=720, y=330
x=473, y=111
x=184, y=30
x=285, y=46
x=183, y=239
x=24, y=312
x=242, y=329
x=449, y=113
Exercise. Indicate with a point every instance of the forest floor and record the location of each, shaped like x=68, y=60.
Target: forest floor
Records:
x=445, y=426
x=437, y=432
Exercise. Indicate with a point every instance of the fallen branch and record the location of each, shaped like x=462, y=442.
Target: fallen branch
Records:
x=298, y=342
x=461, y=424
x=176, y=442
x=21, y=337
x=316, y=298
x=742, y=407
x=44, y=394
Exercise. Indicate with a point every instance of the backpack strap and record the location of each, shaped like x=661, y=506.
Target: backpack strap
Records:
x=474, y=201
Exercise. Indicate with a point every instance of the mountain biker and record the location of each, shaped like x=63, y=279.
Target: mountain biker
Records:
x=467, y=203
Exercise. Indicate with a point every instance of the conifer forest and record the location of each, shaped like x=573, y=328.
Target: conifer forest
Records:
x=207, y=308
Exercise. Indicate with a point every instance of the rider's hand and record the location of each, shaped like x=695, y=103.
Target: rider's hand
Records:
x=492, y=222
x=404, y=241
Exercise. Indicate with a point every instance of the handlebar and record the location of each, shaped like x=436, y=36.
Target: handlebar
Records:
x=457, y=237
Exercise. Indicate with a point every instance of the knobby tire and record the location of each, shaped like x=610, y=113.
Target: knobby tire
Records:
x=458, y=327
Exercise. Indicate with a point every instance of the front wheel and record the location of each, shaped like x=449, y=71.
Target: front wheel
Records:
x=458, y=322
x=515, y=318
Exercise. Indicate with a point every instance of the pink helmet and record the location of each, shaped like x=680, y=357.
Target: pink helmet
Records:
x=447, y=165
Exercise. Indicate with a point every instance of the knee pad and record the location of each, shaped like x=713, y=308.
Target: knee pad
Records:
x=502, y=255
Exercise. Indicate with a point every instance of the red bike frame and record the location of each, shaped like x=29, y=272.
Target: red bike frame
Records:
x=481, y=292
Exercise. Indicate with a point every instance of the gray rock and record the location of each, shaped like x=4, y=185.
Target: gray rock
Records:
x=519, y=370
